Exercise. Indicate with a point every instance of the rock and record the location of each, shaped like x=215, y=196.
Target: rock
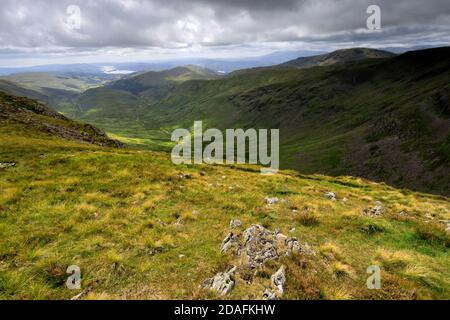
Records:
x=230, y=241
x=279, y=280
x=7, y=165
x=375, y=211
x=269, y=295
x=222, y=283
x=403, y=214
x=259, y=245
x=331, y=196
x=271, y=201
x=78, y=296
x=344, y=199
x=293, y=245
x=185, y=176
x=235, y=224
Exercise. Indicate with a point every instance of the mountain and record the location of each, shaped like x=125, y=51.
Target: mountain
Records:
x=384, y=118
x=17, y=90
x=133, y=91
x=31, y=115
x=152, y=82
x=338, y=57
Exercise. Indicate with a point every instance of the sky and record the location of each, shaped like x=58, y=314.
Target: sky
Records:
x=34, y=32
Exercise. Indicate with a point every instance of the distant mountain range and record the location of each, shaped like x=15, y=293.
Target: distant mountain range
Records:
x=360, y=111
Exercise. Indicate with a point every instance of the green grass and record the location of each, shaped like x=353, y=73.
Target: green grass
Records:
x=125, y=217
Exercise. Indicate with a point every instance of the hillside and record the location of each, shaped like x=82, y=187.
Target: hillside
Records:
x=338, y=57
x=18, y=113
x=382, y=119
x=141, y=228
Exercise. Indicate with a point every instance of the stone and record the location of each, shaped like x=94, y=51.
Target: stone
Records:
x=231, y=241
x=271, y=201
x=235, y=224
x=269, y=295
x=7, y=165
x=259, y=245
x=279, y=280
x=222, y=283
x=374, y=212
x=293, y=245
x=331, y=196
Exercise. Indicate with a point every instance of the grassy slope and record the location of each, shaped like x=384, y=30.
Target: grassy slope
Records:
x=114, y=213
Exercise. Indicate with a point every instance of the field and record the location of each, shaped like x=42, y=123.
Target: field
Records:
x=141, y=228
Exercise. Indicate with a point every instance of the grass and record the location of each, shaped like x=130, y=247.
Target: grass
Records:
x=139, y=231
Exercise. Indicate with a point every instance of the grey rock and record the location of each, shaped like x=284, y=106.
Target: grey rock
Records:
x=374, y=212
x=259, y=245
x=222, y=283
x=293, y=245
x=271, y=201
x=7, y=165
x=279, y=280
x=235, y=224
x=331, y=196
x=269, y=295
x=231, y=241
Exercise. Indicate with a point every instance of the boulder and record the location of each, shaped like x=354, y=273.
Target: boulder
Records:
x=231, y=241
x=278, y=280
x=331, y=196
x=259, y=245
x=222, y=283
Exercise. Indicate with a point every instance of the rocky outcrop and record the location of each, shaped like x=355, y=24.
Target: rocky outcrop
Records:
x=36, y=115
x=252, y=249
x=222, y=283
x=376, y=211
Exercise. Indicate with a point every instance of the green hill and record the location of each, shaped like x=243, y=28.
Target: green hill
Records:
x=18, y=113
x=338, y=57
x=359, y=112
x=140, y=227
x=385, y=119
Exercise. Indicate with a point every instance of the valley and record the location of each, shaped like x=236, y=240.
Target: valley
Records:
x=356, y=112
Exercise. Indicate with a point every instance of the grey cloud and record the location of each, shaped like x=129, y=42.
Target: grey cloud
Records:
x=40, y=24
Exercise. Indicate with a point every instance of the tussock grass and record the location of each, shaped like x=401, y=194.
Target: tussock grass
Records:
x=139, y=231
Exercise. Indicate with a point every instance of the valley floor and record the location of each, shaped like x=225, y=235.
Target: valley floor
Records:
x=141, y=228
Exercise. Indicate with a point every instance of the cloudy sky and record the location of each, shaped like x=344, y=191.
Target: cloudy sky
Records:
x=47, y=31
